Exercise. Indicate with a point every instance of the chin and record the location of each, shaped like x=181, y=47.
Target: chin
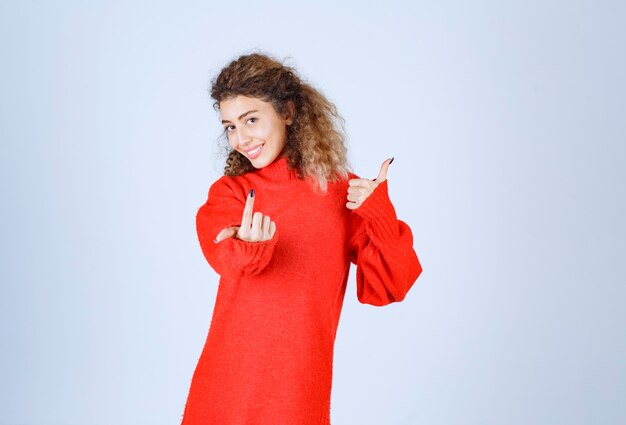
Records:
x=262, y=162
x=258, y=162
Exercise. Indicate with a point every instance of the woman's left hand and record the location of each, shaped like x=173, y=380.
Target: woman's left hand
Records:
x=360, y=189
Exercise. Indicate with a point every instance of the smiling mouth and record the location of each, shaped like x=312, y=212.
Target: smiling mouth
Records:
x=254, y=152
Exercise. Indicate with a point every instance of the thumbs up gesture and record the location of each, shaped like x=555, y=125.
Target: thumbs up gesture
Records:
x=360, y=189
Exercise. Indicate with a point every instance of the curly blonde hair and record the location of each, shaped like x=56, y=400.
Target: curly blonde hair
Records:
x=315, y=145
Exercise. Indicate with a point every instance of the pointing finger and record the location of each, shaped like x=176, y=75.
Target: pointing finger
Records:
x=246, y=218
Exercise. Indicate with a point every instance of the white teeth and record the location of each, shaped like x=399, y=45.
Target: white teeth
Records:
x=255, y=150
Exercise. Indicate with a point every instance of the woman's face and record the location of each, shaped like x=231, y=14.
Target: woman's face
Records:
x=254, y=128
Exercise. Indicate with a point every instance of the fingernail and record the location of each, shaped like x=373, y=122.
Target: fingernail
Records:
x=215, y=240
x=252, y=192
x=391, y=160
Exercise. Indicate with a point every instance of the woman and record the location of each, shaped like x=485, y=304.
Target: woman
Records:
x=281, y=228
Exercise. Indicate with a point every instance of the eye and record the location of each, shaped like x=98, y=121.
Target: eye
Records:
x=229, y=128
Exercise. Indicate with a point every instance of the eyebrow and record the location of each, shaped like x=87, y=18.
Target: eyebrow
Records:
x=241, y=116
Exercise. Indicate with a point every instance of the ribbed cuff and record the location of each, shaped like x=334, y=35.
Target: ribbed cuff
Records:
x=378, y=211
x=250, y=257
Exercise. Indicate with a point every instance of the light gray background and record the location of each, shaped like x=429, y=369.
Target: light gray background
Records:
x=507, y=122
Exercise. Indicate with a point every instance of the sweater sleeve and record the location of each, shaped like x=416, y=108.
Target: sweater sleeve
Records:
x=231, y=258
x=381, y=246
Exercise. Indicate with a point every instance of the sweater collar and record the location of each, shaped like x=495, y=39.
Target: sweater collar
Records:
x=278, y=170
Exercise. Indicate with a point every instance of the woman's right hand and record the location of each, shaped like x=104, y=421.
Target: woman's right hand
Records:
x=255, y=227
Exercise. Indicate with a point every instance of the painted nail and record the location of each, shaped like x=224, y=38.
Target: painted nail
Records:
x=252, y=192
x=391, y=160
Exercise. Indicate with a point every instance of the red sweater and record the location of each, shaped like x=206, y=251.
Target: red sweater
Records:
x=268, y=356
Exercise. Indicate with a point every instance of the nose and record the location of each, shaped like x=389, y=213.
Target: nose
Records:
x=243, y=138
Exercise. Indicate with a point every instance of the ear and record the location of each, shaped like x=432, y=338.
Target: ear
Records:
x=290, y=113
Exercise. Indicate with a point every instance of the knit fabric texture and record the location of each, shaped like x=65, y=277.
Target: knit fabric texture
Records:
x=268, y=356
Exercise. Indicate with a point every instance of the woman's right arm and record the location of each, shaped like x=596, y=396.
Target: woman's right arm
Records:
x=231, y=258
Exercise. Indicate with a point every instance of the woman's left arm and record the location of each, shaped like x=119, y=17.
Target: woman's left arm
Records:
x=381, y=246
